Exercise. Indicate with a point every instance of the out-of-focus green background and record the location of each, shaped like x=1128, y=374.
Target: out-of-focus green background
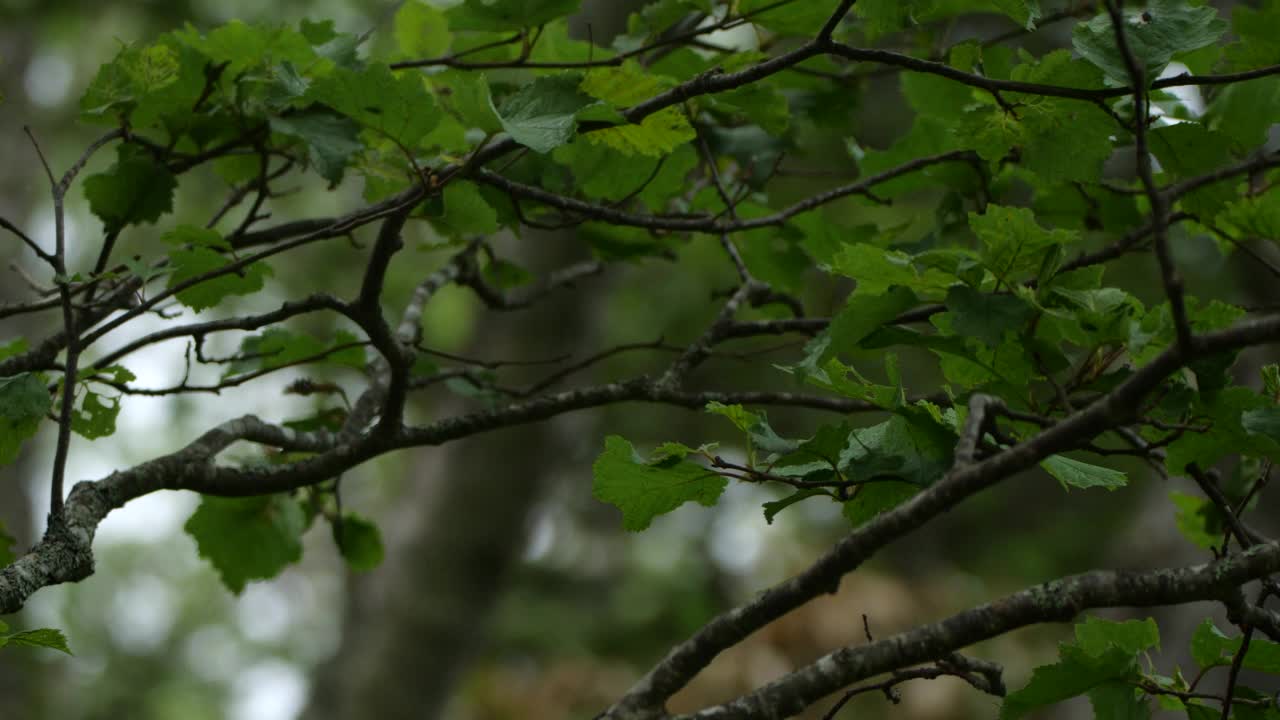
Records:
x=508, y=592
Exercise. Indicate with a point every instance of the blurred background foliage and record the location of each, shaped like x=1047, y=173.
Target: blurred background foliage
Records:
x=570, y=609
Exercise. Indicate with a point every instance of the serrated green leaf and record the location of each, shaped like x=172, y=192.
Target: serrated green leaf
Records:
x=760, y=104
x=773, y=507
x=1119, y=701
x=986, y=316
x=656, y=135
x=243, y=45
x=1225, y=409
x=1023, y=12
x=116, y=374
x=194, y=255
x=910, y=447
x=1013, y=244
x=248, y=538
x=23, y=397
x=96, y=416
x=24, y=401
x=625, y=85
x=1193, y=519
x=1262, y=421
x=642, y=491
x=1077, y=474
x=1188, y=150
x=877, y=269
x=875, y=498
x=1076, y=673
x=42, y=638
x=465, y=211
x=421, y=31
x=467, y=96
x=1258, y=30
x=500, y=15
x=13, y=347
x=135, y=189
x=863, y=314
x=742, y=418
x=278, y=347
x=1245, y=111
x=541, y=115
x=397, y=107
x=1095, y=635
x=756, y=425
x=804, y=18
x=359, y=541
x=331, y=140
x=1154, y=33
x=1210, y=647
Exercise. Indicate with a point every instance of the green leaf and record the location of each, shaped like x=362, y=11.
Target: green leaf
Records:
x=499, y=15
x=742, y=418
x=625, y=85
x=243, y=45
x=986, y=316
x=1188, y=150
x=1262, y=421
x=278, y=347
x=194, y=255
x=397, y=107
x=877, y=269
x=1258, y=31
x=421, y=30
x=875, y=498
x=1073, y=473
x=42, y=638
x=1095, y=635
x=1246, y=111
x=1023, y=12
x=1076, y=673
x=803, y=18
x=642, y=490
x=96, y=416
x=541, y=115
x=761, y=104
x=1154, y=34
x=1013, y=244
x=880, y=17
x=465, y=212
x=1226, y=435
x=656, y=135
x=910, y=446
x=1193, y=518
x=1060, y=140
x=773, y=507
x=1119, y=701
x=248, y=538
x=1210, y=647
x=13, y=347
x=23, y=396
x=24, y=401
x=331, y=140
x=756, y=425
x=135, y=189
x=467, y=96
x=359, y=541
x=863, y=314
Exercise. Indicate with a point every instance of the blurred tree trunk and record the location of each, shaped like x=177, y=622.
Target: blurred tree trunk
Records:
x=460, y=525
x=18, y=688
